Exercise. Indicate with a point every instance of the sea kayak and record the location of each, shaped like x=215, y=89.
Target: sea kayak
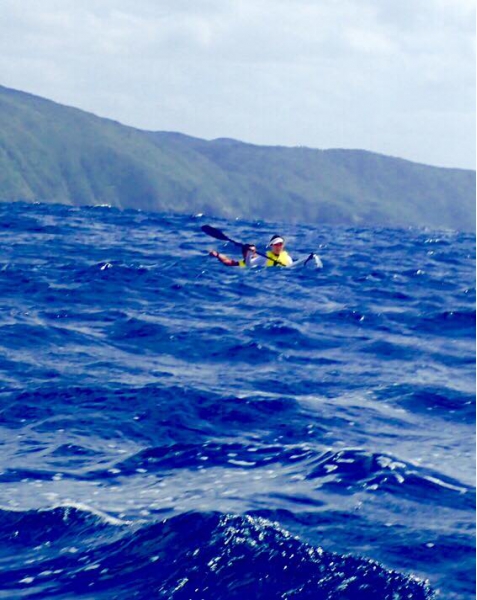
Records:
x=312, y=261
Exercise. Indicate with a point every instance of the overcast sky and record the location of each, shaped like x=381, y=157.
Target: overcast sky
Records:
x=391, y=76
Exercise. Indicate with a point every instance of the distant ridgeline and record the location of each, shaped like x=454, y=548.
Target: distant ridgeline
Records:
x=54, y=153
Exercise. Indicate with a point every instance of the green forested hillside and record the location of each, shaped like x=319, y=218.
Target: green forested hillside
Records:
x=54, y=153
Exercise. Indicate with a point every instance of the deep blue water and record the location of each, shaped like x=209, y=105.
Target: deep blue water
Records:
x=173, y=428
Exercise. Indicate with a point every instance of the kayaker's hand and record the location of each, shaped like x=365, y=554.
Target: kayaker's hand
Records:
x=214, y=253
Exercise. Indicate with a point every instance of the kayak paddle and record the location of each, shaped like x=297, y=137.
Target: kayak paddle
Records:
x=218, y=235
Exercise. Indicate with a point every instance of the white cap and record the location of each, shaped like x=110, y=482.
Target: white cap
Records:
x=276, y=239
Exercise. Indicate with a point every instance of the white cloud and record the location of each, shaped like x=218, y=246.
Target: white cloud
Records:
x=393, y=77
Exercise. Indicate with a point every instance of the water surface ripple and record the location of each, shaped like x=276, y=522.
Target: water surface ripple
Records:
x=173, y=428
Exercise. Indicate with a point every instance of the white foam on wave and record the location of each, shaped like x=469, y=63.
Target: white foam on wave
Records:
x=109, y=519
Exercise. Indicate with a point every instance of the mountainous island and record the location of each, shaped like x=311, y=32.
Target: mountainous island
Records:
x=54, y=153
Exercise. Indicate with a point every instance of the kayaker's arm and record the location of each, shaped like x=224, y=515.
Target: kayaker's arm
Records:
x=230, y=262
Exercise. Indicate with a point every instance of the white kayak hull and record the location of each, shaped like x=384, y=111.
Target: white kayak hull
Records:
x=312, y=261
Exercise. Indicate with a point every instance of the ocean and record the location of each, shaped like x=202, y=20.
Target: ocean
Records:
x=174, y=428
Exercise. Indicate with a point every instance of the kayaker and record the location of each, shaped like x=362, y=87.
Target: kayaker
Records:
x=277, y=256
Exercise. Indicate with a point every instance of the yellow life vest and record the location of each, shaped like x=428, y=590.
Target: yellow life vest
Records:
x=241, y=263
x=282, y=260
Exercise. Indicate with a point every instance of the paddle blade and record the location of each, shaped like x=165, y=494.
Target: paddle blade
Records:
x=215, y=233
